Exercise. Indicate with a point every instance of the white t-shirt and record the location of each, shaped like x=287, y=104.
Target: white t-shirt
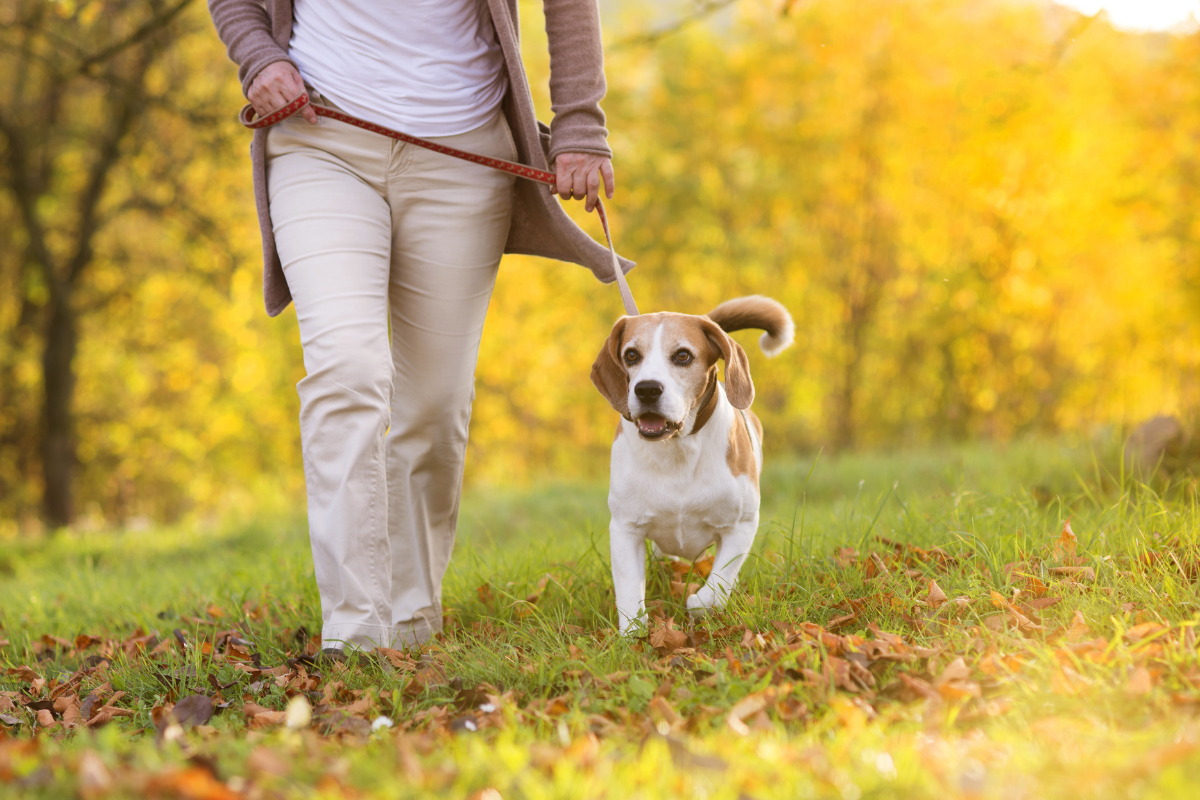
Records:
x=424, y=67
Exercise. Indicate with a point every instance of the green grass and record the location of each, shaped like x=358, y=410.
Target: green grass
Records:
x=1041, y=711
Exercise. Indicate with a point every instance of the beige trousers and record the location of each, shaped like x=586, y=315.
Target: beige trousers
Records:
x=375, y=234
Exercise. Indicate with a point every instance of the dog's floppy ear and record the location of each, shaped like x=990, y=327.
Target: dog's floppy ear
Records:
x=609, y=375
x=739, y=388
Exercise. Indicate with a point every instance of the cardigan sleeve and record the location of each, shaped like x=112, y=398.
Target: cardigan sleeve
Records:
x=245, y=28
x=576, y=78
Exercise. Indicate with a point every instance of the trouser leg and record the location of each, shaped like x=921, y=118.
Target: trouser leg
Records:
x=333, y=230
x=450, y=221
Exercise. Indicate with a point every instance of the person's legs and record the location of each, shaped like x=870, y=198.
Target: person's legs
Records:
x=450, y=220
x=333, y=230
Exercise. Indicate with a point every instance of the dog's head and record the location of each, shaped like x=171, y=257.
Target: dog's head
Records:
x=658, y=370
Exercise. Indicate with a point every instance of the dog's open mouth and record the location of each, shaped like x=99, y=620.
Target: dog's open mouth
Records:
x=653, y=426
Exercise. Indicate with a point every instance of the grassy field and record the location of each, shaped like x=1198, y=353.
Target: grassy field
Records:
x=911, y=625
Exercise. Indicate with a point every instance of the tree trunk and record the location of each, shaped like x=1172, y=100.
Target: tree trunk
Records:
x=58, y=442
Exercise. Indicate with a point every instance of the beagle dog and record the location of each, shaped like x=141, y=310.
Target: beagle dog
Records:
x=688, y=451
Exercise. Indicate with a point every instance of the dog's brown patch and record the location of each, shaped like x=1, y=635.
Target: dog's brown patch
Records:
x=740, y=453
x=708, y=401
x=617, y=435
x=754, y=420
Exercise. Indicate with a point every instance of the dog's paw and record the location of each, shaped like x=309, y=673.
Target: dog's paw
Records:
x=698, y=606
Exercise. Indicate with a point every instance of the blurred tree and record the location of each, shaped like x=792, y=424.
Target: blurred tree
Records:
x=982, y=214
x=85, y=84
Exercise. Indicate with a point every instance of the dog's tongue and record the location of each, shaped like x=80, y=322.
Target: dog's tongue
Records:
x=651, y=423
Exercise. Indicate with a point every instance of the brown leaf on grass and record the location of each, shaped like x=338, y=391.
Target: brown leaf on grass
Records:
x=876, y=567
x=1040, y=603
x=536, y=594
x=68, y=707
x=1021, y=622
x=842, y=621
x=56, y=642
x=83, y=641
x=849, y=675
x=665, y=637
x=1064, y=546
x=679, y=590
x=936, y=598
x=747, y=707
x=398, y=659
x=1034, y=586
x=215, y=612
x=259, y=717
x=954, y=683
x=25, y=674
x=432, y=674
x=1144, y=631
x=910, y=688
x=107, y=713
x=193, y=710
x=1140, y=683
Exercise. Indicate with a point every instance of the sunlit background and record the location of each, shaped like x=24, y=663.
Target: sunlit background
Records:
x=982, y=214
x=1142, y=15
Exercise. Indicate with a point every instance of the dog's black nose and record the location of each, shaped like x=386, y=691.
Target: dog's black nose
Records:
x=648, y=391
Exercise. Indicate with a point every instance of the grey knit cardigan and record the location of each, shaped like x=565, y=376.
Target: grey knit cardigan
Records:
x=257, y=34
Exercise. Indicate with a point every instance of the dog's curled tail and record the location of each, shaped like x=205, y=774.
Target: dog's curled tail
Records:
x=761, y=313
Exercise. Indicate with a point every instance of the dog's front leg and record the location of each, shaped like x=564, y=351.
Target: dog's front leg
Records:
x=628, y=550
x=731, y=552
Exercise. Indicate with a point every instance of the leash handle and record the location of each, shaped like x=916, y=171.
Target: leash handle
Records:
x=247, y=118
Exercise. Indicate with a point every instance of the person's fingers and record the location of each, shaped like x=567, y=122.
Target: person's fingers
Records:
x=279, y=97
x=610, y=178
x=593, y=189
x=579, y=183
x=564, y=179
x=292, y=81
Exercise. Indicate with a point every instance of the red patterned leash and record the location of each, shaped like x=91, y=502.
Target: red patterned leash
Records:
x=246, y=117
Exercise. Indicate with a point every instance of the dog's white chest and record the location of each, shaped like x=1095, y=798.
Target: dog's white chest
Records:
x=683, y=496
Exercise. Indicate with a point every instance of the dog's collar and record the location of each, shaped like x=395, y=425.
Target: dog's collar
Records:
x=708, y=404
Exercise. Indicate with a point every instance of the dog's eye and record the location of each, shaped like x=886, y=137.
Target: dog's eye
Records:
x=682, y=357
x=632, y=357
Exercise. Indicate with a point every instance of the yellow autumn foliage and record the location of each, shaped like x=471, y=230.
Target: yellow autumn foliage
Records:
x=982, y=215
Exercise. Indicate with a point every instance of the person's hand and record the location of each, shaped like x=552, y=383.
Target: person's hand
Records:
x=278, y=84
x=577, y=175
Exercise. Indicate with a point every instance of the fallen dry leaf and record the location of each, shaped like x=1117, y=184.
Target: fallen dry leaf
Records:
x=260, y=717
x=196, y=709
x=1064, y=546
x=746, y=707
x=936, y=598
x=665, y=637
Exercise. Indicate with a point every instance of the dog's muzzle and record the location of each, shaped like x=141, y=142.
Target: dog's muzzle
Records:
x=653, y=426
